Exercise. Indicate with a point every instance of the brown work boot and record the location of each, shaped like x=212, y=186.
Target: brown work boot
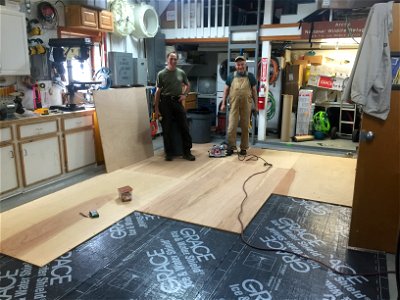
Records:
x=189, y=156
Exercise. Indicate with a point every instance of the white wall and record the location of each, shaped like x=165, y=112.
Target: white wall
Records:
x=127, y=44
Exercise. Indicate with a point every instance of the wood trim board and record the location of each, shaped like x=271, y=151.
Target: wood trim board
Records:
x=206, y=191
x=280, y=25
x=196, y=40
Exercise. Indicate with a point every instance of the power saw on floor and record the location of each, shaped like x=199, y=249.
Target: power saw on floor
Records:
x=218, y=150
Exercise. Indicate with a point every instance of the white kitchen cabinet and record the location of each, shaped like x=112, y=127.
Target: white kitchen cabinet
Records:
x=14, y=58
x=6, y=134
x=79, y=122
x=79, y=149
x=8, y=167
x=37, y=129
x=40, y=159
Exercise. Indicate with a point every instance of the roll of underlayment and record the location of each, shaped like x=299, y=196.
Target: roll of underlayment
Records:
x=286, y=117
x=303, y=138
x=145, y=20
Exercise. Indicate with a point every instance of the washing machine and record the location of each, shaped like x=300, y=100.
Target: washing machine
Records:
x=222, y=64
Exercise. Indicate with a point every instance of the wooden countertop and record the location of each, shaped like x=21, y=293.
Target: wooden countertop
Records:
x=43, y=118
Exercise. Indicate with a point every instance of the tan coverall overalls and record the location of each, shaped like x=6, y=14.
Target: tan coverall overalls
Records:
x=240, y=97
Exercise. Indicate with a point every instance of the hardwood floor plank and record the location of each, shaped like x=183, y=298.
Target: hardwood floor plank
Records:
x=207, y=191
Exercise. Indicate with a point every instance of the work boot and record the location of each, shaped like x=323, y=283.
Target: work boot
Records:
x=243, y=152
x=189, y=156
x=229, y=152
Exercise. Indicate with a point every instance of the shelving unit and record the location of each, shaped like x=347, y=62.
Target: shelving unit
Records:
x=336, y=84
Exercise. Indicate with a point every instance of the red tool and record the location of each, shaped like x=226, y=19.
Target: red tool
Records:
x=37, y=98
x=153, y=126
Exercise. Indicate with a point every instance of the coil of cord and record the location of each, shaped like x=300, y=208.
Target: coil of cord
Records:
x=103, y=75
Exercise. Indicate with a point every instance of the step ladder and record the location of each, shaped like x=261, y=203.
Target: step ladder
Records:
x=351, y=108
x=239, y=46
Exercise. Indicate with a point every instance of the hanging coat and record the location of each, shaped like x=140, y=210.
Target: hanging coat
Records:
x=370, y=81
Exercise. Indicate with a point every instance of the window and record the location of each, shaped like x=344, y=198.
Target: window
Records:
x=84, y=71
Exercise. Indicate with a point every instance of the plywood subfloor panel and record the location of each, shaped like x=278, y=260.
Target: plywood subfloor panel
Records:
x=124, y=126
x=207, y=191
x=322, y=178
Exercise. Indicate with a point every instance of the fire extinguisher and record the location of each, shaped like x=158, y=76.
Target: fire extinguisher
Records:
x=261, y=103
x=261, y=97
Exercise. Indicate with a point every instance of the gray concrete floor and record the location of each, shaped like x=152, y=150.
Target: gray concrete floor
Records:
x=338, y=147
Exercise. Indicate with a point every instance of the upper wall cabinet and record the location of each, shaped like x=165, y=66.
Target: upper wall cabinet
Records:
x=106, y=20
x=14, y=58
x=82, y=17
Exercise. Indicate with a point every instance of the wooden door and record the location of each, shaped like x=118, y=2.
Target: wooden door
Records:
x=376, y=208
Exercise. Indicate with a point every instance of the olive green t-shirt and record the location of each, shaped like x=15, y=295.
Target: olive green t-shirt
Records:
x=170, y=82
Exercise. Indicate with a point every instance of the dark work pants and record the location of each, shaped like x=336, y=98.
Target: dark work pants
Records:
x=171, y=110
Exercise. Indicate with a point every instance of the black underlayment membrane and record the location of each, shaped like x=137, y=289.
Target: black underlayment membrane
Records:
x=149, y=257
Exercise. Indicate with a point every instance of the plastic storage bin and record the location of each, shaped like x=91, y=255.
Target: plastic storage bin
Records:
x=200, y=125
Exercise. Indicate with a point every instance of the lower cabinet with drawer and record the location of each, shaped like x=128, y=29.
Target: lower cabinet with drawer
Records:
x=41, y=159
x=79, y=144
x=8, y=167
x=79, y=149
x=35, y=151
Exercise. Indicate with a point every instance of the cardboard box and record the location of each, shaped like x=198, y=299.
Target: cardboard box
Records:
x=292, y=88
x=190, y=101
x=304, y=112
x=294, y=73
x=314, y=60
x=301, y=62
x=332, y=83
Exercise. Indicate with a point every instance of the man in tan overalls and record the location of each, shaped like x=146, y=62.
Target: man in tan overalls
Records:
x=241, y=87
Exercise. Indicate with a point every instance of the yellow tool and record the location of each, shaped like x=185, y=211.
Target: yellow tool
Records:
x=42, y=111
x=35, y=31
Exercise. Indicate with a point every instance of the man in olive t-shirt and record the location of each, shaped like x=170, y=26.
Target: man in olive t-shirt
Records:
x=172, y=88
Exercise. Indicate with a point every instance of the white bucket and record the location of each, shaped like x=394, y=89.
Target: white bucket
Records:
x=145, y=20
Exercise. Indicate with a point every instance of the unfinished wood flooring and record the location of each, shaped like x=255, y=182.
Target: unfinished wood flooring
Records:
x=207, y=191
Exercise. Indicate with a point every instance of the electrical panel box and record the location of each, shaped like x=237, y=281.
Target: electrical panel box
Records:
x=155, y=53
x=140, y=71
x=121, y=66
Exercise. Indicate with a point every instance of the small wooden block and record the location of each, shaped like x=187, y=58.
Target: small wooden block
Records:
x=125, y=193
